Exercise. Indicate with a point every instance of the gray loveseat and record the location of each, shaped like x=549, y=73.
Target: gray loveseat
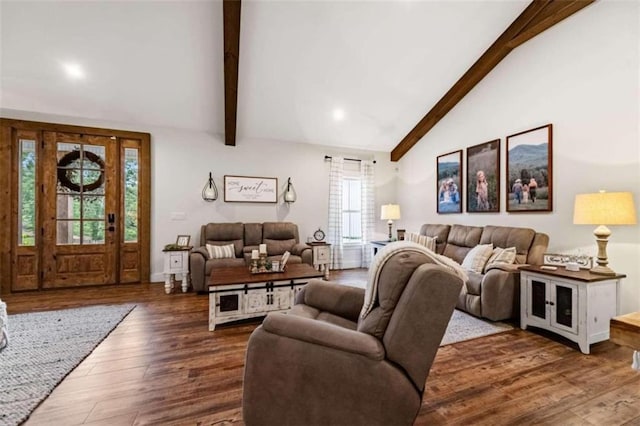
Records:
x=494, y=294
x=245, y=237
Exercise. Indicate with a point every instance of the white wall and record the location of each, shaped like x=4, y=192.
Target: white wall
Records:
x=581, y=75
x=180, y=165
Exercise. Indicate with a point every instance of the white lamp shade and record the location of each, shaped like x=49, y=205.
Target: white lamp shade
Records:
x=604, y=208
x=390, y=212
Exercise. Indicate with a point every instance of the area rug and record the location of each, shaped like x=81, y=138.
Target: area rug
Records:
x=463, y=326
x=43, y=348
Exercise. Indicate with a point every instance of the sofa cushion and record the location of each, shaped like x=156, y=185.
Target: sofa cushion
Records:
x=501, y=256
x=474, y=283
x=505, y=236
x=221, y=251
x=439, y=232
x=461, y=239
x=423, y=240
x=276, y=247
x=238, y=245
x=477, y=258
x=252, y=234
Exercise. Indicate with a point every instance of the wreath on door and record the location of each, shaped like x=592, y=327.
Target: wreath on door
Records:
x=64, y=176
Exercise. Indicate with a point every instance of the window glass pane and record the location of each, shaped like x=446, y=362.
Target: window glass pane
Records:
x=354, y=198
x=93, y=232
x=130, y=195
x=27, y=193
x=68, y=206
x=68, y=232
x=93, y=207
x=69, y=153
x=93, y=181
x=93, y=157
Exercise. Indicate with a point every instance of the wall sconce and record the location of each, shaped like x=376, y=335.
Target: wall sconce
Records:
x=210, y=192
x=290, y=193
x=604, y=208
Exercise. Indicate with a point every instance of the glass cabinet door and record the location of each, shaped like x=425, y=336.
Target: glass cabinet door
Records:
x=539, y=299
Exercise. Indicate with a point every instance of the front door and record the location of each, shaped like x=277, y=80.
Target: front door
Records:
x=79, y=210
x=74, y=206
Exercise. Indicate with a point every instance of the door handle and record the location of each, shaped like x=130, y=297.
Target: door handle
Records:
x=111, y=218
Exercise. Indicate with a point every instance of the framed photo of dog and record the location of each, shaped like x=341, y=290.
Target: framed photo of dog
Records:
x=449, y=185
x=529, y=168
x=483, y=177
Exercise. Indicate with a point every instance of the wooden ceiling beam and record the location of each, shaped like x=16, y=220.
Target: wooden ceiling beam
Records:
x=537, y=17
x=231, y=13
x=562, y=11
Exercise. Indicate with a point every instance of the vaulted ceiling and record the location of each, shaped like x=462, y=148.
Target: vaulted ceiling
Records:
x=343, y=73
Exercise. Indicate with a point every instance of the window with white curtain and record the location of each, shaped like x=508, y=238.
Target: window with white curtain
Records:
x=351, y=210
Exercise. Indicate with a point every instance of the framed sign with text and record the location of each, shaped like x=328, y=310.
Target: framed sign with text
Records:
x=248, y=189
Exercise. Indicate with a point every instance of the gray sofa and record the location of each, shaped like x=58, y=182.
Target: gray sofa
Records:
x=245, y=237
x=494, y=294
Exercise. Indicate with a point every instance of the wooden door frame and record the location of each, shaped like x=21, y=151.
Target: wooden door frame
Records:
x=8, y=198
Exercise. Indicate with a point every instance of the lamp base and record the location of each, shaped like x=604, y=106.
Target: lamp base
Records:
x=390, y=223
x=602, y=270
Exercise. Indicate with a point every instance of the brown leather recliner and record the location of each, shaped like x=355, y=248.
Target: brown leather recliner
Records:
x=323, y=364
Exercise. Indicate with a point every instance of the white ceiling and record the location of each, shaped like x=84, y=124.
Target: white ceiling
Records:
x=384, y=63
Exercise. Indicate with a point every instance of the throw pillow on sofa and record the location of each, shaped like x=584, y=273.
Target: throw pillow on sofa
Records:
x=501, y=255
x=477, y=257
x=423, y=240
x=221, y=252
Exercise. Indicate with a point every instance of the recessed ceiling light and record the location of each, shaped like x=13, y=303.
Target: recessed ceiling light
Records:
x=338, y=114
x=73, y=70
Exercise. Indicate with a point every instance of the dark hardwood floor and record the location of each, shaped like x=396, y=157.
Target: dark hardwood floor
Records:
x=162, y=366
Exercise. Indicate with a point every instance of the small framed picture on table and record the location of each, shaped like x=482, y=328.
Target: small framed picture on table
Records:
x=183, y=240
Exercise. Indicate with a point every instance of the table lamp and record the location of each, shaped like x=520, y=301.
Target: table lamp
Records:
x=390, y=212
x=604, y=208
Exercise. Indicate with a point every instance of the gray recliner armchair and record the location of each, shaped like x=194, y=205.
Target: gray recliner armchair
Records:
x=322, y=363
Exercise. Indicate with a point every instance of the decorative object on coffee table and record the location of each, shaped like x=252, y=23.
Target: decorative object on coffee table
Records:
x=390, y=212
x=604, y=208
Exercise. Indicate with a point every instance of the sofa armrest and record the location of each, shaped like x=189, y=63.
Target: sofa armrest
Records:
x=338, y=299
x=298, y=248
x=500, y=296
x=324, y=334
x=197, y=264
x=201, y=251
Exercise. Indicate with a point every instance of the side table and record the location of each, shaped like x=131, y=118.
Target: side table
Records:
x=321, y=257
x=576, y=305
x=176, y=262
x=378, y=245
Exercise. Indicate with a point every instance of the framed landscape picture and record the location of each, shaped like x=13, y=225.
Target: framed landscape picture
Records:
x=529, y=187
x=483, y=177
x=449, y=183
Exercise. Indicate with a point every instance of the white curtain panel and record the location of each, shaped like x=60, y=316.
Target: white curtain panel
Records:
x=367, y=213
x=334, y=231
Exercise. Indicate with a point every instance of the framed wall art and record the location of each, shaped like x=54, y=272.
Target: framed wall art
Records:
x=248, y=189
x=529, y=186
x=483, y=177
x=449, y=183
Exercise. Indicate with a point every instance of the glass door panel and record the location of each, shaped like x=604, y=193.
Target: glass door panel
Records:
x=27, y=193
